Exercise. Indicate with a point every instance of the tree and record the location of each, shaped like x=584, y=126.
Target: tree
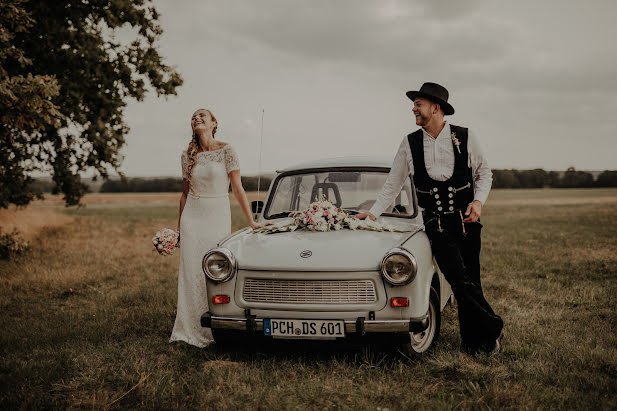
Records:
x=25, y=106
x=553, y=179
x=607, y=178
x=573, y=178
x=86, y=76
x=505, y=179
x=536, y=178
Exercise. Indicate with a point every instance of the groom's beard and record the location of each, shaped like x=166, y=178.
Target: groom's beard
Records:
x=421, y=121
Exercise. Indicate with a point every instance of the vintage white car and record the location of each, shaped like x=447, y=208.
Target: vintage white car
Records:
x=333, y=284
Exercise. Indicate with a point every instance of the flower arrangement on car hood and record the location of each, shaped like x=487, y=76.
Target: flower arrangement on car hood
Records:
x=324, y=216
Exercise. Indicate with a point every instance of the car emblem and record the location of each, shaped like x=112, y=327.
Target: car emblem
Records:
x=306, y=253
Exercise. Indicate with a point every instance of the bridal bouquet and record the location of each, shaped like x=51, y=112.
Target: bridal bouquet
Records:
x=324, y=216
x=166, y=241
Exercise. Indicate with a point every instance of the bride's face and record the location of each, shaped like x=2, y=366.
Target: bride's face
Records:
x=202, y=120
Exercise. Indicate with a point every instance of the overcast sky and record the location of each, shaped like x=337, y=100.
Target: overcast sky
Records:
x=536, y=80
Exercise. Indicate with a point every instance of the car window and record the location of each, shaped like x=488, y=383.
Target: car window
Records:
x=352, y=190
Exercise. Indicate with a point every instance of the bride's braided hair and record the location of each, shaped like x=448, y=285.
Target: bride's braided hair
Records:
x=193, y=148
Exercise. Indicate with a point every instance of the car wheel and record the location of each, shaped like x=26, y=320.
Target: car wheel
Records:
x=424, y=340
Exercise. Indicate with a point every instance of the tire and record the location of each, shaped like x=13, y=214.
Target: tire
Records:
x=423, y=341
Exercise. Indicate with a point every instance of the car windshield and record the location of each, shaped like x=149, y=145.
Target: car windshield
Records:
x=351, y=190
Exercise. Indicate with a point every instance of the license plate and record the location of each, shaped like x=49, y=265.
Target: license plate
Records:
x=291, y=328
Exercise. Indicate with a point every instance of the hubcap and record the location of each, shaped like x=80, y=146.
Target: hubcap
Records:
x=421, y=341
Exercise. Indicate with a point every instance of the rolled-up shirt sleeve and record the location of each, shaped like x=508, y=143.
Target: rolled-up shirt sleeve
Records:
x=481, y=172
x=396, y=178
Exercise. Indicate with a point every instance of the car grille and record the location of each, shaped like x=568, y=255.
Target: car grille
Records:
x=309, y=292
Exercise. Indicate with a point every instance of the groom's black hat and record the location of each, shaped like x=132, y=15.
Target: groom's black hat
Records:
x=435, y=93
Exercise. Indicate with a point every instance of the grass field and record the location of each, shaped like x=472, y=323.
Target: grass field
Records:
x=87, y=314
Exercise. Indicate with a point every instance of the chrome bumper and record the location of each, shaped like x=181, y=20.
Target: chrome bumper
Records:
x=358, y=326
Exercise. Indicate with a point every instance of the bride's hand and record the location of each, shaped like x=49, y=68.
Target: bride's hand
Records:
x=363, y=216
x=255, y=225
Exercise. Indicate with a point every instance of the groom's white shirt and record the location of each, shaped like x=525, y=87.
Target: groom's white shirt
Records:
x=439, y=160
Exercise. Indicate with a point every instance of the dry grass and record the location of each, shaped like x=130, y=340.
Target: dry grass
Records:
x=87, y=314
x=29, y=221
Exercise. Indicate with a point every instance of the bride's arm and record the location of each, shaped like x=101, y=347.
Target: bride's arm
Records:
x=185, y=192
x=240, y=194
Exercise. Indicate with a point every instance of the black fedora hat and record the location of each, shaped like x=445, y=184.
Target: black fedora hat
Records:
x=436, y=93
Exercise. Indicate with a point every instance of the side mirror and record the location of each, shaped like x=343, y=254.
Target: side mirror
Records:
x=257, y=206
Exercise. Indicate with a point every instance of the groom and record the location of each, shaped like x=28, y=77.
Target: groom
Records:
x=452, y=181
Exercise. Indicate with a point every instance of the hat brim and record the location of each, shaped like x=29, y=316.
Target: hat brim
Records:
x=448, y=110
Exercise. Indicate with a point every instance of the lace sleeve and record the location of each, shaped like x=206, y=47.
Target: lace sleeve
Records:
x=184, y=161
x=231, y=159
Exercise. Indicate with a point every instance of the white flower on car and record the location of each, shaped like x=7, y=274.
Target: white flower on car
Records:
x=321, y=226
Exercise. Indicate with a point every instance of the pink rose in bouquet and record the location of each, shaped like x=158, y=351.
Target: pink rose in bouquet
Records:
x=166, y=241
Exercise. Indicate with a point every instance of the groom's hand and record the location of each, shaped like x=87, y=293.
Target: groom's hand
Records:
x=473, y=212
x=362, y=216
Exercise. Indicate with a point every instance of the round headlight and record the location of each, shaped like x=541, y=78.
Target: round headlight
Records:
x=399, y=267
x=219, y=265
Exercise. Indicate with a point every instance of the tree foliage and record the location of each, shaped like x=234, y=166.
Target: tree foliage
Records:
x=505, y=179
x=65, y=82
x=538, y=178
x=26, y=106
x=572, y=178
x=142, y=185
x=607, y=178
x=170, y=184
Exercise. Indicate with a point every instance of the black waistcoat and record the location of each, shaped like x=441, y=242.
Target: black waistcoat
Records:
x=443, y=196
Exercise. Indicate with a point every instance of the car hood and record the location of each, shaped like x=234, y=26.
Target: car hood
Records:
x=343, y=250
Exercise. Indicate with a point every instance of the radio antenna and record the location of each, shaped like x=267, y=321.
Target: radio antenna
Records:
x=261, y=139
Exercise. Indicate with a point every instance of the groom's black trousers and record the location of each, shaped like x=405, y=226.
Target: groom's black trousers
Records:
x=457, y=253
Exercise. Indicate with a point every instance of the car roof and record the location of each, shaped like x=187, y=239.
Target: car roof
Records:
x=341, y=162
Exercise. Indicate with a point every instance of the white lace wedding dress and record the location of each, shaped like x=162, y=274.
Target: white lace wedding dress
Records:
x=205, y=220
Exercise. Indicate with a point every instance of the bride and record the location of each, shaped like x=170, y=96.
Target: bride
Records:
x=208, y=166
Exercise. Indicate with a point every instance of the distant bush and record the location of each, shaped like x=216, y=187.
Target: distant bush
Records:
x=536, y=178
x=41, y=186
x=12, y=245
x=142, y=185
x=168, y=184
x=505, y=179
x=539, y=178
x=607, y=179
x=250, y=183
x=572, y=178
